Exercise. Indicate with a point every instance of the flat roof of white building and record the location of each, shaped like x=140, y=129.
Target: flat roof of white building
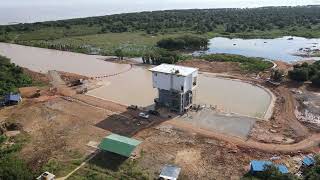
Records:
x=174, y=69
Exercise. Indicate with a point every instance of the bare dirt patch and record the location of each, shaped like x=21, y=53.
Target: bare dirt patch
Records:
x=199, y=157
x=37, y=77
x=213, y=67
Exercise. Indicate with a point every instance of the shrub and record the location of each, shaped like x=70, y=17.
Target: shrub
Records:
x=186, y=42
x=11, y=77
x=316, y=80
x=159, y=56
x=299, y=74
x=277, y=75
x=306, y=72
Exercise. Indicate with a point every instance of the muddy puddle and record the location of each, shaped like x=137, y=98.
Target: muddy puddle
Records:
x=135, y=86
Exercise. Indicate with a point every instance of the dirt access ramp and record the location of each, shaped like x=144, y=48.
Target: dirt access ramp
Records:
x=59, y=85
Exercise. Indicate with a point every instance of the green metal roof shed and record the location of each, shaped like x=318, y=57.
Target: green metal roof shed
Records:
x=119, y=144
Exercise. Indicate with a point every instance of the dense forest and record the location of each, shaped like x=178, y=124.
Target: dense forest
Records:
x=198, y=20
x=11, y=77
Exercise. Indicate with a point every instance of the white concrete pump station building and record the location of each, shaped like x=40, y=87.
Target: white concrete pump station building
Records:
x=176, y=86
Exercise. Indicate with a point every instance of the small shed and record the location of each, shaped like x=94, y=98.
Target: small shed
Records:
x=259, y=166
x=119, y=144
x=12, y=98
x=170, y=172
x=308, y=161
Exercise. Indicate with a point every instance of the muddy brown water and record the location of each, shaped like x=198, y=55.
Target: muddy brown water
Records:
x=135, y=86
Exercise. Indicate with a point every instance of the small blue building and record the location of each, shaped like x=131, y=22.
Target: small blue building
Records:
x=259, y=166
x=12, y=99
x=308, y=161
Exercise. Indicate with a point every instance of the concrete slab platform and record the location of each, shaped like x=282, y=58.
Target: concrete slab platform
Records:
x=231, y=124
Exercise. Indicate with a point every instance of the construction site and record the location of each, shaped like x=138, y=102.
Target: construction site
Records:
x=66, y=122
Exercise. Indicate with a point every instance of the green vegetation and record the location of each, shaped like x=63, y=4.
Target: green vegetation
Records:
x=119, y=53
x=277, y=75
x=132, y=44
x=137, y=33
x=186, y=42
x=159, y=56
x=249, y=64
x=117, y=167
x=11, y=77
x=11, y=166
x=306, y=72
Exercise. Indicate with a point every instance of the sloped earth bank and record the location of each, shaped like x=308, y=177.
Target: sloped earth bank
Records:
x=308, y=110
x=283, y=126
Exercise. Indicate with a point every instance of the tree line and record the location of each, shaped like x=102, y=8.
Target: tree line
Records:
x=232, y=20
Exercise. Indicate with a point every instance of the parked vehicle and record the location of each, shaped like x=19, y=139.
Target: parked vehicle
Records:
x=144, y=115
x=133, y=107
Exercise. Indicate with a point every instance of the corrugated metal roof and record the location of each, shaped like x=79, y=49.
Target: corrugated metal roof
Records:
x=174, y=69
x=308, y=160
x=119, y=144
x=258, y=166
x=170, y=172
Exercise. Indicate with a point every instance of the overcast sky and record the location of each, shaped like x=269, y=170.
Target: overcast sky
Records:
x=41, y=10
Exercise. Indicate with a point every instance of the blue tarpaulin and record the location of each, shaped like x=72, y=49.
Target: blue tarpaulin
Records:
x=283, y=169
x=9, y=98
x=259, y=166
x=308, y=160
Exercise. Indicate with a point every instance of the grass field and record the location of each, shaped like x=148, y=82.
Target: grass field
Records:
x=247, y=64
x=133, y=44
x=85, y=39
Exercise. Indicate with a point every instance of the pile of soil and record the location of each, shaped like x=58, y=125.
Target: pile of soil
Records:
x=70, y=77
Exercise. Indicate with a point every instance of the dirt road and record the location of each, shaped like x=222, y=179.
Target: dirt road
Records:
x=287, y=112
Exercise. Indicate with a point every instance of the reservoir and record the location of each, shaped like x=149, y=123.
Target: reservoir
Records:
x=134, y=86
